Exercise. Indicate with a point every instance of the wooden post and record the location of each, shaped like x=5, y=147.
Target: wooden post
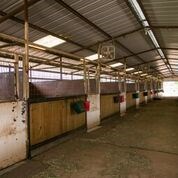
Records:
x=138, y=90
x=122, y=93
x=85, y=76
x=26, y=57
x=93, y=115
x=119, y=83
x=88, y=80
x=98, y=70
x=25, y=106
x=125, y=77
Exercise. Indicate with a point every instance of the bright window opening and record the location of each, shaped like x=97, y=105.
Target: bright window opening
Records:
x=129, y=69
x=138, y=72
x=143, y=75
x=93, y=57
x=170, y=88
x=49, y=41
x=116, y=64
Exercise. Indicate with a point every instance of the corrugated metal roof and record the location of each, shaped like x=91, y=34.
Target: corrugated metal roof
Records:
x=8, y=6
x=162, y=12
x=53, y=17
x=112, y=16
x=136, y=42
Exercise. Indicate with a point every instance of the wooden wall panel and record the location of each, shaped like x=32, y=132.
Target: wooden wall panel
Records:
x=130, y=101
x=108, y=107
x=142, y=98
x=52, y=118
x=149, y=95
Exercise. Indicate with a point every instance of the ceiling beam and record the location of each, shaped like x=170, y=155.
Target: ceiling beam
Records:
x=35, y=27
x=66, y=6
x=8, y=45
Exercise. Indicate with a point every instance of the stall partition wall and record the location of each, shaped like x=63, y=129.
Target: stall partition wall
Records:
x=93, y=115
x=130, y=102
x=53, y=118
x=142, y=97
x=108, y=107
x=13, y=133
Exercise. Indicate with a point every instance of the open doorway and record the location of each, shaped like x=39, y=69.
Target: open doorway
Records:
x=170, y=88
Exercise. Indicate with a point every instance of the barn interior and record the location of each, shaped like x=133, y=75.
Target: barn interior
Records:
x=88, y=88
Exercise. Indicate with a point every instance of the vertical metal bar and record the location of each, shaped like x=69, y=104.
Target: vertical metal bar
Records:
x=85, y=76
x=61, y=68
x=88, y=80
x=30, y=70
x=16, y=74
x=98, y=71
x=119, y=83
x=125, y=77
x=26, y=57
x=71, y=76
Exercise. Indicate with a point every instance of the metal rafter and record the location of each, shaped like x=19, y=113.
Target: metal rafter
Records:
x=8, y=45
x=35, y=27
x=66, y=39
x=62, y=3
x=10, y=15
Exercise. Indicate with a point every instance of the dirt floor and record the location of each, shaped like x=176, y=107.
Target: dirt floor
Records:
x=142, y=144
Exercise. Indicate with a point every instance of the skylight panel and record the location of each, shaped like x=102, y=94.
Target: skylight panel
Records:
x=93, y=57
x=129, y=69
x=49, y=41
x=138, y=72
x=116, y=64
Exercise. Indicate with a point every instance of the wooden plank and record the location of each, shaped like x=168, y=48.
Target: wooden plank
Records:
x=108, y=107
x=130, y=101
x=142, y=98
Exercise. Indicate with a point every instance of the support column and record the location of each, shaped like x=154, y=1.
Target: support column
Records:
x=93, y=115
x=137, y=90
x=122, y=93
x=26, y=56
x=145, y=91
x=151, y=89
x=24, y=109
x=146, y=87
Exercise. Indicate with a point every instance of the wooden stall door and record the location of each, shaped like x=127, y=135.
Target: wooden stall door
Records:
x=51, y=119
